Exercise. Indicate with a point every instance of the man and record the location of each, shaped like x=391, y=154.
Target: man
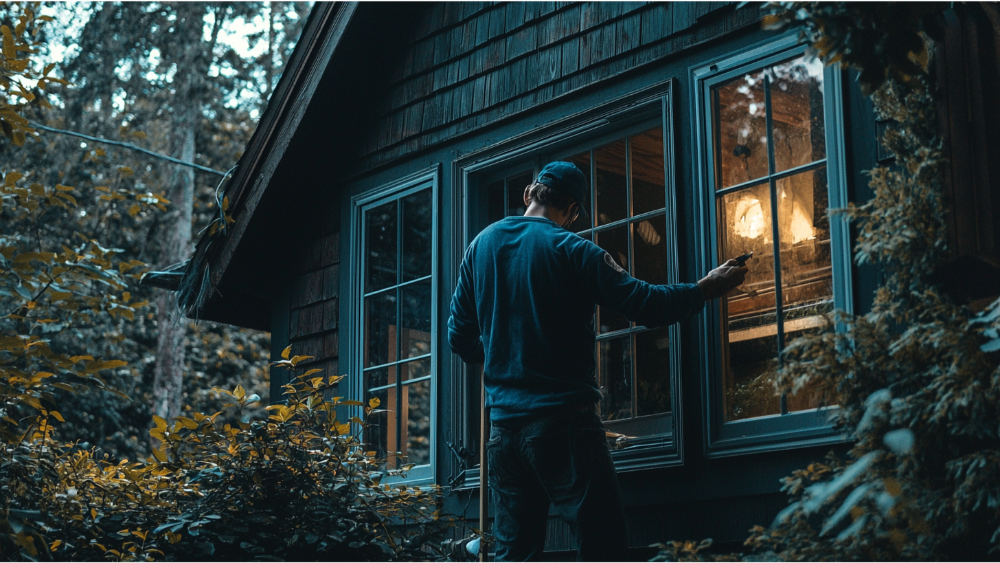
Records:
x=524, y=306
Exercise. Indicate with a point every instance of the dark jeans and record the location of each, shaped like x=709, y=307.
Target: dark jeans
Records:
x=562, y=460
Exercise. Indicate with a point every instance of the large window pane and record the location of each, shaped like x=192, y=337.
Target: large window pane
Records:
x=649, y=242
x=615, y=241
x=380, y=432
x=585, y=220
x=648, y=180
x=515, y=192
x=615, y=377
x=740, y=130
x=380, y=328
x=380, y=243
x=749, y=373
x=380, y=377
x=417, y=235
x=417, y=404
x=797, y=113
x=806, y=270
x=415, y=369
x=416, y=321
x=652, y=372
x=496, y=205
x=612, y=190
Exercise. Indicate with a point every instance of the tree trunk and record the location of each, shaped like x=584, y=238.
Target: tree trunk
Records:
x=168, y=381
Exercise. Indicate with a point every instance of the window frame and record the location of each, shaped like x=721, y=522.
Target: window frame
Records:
x=588, y=129
x=796, y=429
x=396, y=191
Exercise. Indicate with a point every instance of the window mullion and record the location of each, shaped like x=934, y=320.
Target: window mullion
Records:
x=399, y=326
x=775, y=234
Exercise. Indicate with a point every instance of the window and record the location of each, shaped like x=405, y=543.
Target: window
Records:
x=772, y=138
x=398, y=321
x=626, y=157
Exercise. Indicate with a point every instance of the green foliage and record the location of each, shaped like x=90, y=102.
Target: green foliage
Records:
x=295, y=485
x=880, y=40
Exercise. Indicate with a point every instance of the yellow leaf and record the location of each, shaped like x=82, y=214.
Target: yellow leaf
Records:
x=296, y=359
x=225, y=204
x=374, y=402
x=54, y=545
x=159, y=421
x=62, y=188
x=286, y=351
x=134, y=210
x=104, y=189
x=239, y=392
x=57, y=416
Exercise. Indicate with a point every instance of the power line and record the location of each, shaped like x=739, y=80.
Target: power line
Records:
x=131, y=147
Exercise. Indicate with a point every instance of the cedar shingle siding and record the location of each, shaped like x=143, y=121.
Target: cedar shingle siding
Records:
x=470, y=64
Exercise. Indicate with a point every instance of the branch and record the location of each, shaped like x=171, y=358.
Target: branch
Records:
x=129, y=146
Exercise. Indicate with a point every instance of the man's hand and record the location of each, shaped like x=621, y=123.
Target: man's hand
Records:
x=722, y=280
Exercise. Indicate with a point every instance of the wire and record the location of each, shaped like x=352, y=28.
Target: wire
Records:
x=131, y=147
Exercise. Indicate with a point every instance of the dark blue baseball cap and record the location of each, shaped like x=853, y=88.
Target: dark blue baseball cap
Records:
x=566, y=178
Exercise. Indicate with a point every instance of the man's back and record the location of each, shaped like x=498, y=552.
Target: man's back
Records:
x=527, y=288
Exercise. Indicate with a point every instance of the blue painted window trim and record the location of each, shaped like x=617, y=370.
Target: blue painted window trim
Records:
x=793, y=430
x=608, y=122
x=424, y=179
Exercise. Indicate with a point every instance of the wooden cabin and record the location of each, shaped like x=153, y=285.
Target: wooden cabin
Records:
x=399, y=131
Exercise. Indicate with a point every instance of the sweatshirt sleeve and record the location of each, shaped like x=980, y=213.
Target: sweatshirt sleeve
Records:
x=463, y=325
x=643, y=303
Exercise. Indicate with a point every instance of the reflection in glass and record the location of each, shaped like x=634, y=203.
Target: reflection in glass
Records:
x=380, y=242
x=417, y=407
x=380, y=377
x=380, y=328
x=415, y=369
x=740, y=130
x=649, y=242
x=495, y=204
x=648, y=180
x=797, y=112
x=615, y=378
x=749, y=375
x=745, y=225
x=652, y=363
x=612, y=192
x=615, y=241
x=380, y=434
x=515, y=192
x=417, y=233
x=806, y=270
x=582, y=161
x=416, y=322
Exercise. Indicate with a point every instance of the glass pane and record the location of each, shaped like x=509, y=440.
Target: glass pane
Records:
x=417, y=414
x=797, y=113
x=380, y=434
x=515, y=192
x=745, y=226
x=804, y=234
x=740, y=130
x=415, y=369
x=817, y=393
x=652, y=372
x=749, y=373
x=495, y=202
x=615, y=241
x=417, y=235
x=380, y=247
x=380, y=377
x=650, y=246
x=648, y=180
x=582, y=161
x=380, y=328
x=615, y=378
x=415, y=338
x=612, y=193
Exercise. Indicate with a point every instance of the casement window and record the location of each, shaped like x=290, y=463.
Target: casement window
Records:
x=770, y=148
x=396, y=236
x=626, y=155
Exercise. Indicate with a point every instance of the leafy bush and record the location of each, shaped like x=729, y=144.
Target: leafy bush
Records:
x=294, y=486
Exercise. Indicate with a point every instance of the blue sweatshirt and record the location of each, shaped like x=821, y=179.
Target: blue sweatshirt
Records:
x=524, y=306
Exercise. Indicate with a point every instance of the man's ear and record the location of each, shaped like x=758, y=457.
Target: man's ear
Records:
x=527, y=194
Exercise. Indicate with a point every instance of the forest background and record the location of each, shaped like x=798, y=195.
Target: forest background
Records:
x=188, y=80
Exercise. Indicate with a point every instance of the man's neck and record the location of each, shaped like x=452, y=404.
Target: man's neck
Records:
x=551, y=213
